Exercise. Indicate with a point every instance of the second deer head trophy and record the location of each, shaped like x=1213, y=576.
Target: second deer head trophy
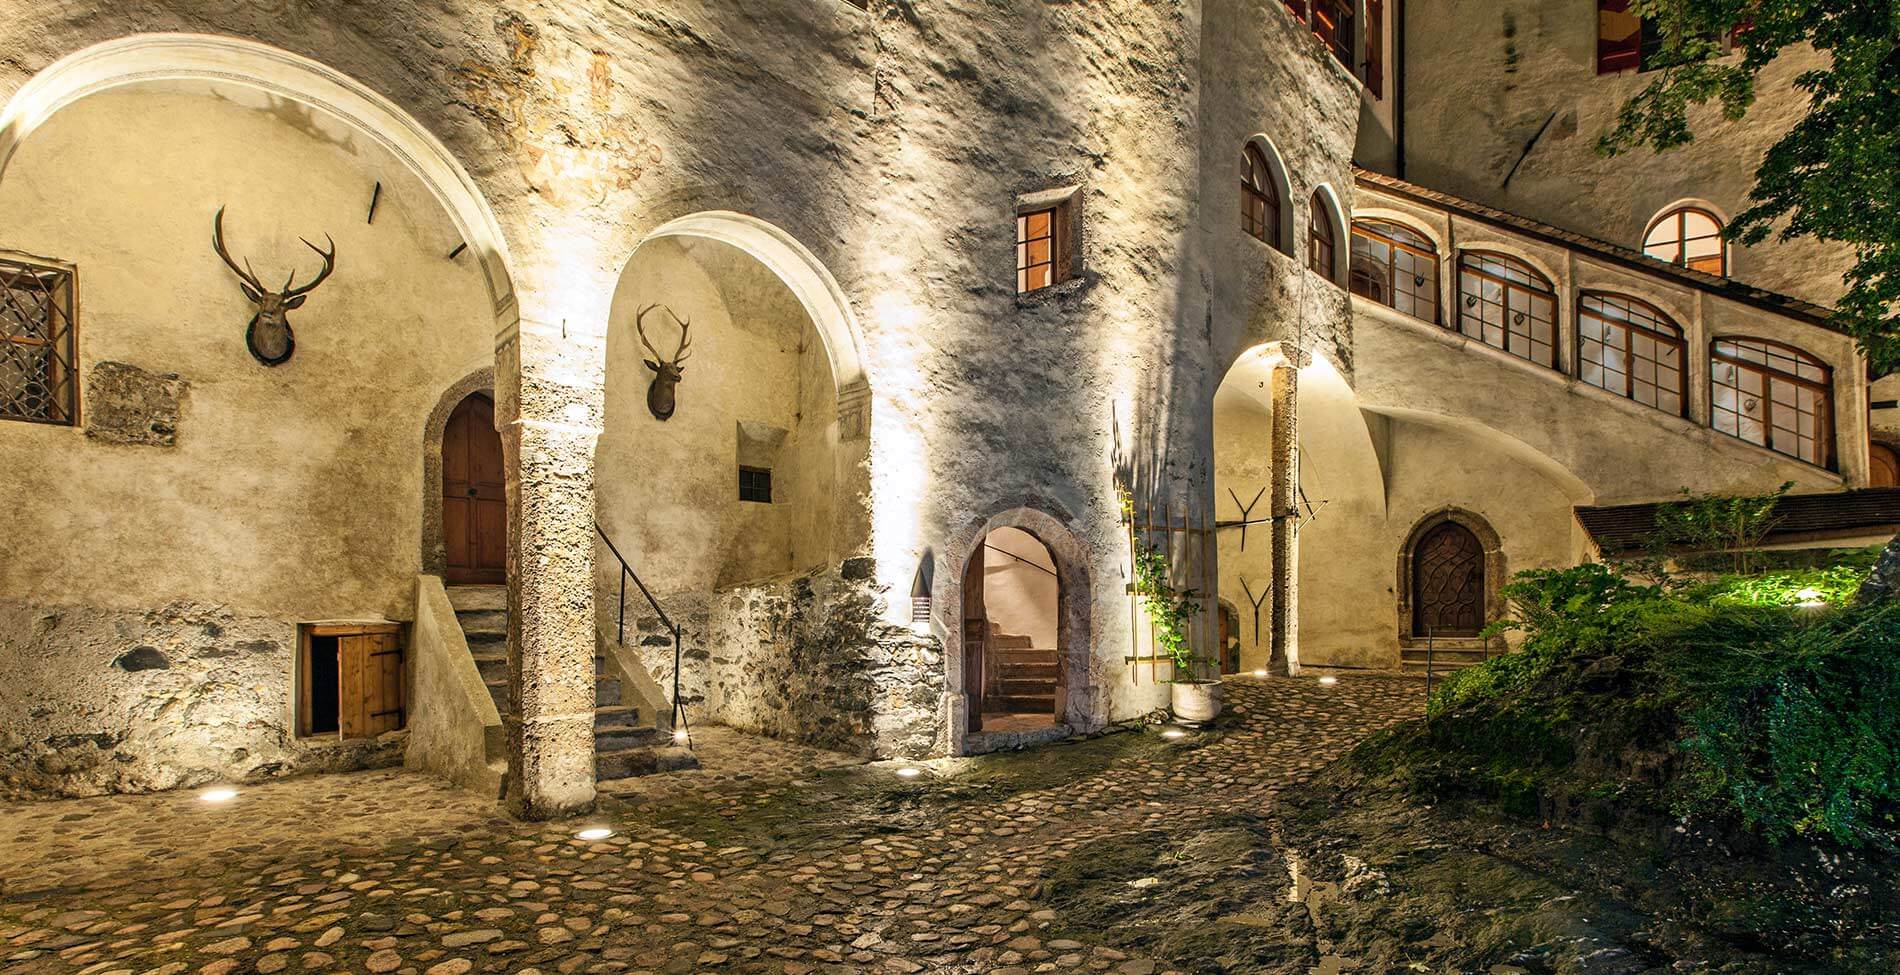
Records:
x=666, y=372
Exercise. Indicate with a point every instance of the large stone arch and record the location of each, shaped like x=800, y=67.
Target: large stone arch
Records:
x=142, y=58
x=1060, y=534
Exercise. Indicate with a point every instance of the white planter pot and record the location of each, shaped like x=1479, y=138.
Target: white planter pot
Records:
x=1197, y=702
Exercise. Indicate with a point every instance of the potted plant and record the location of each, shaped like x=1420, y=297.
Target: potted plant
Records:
x=1196, y=699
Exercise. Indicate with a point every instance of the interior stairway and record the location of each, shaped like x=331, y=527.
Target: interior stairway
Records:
x=1447, y=654
x=623, y=745
x=1026, y=677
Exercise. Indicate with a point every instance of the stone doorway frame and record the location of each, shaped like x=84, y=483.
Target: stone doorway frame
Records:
x=1488, y=542
x=1075, y=602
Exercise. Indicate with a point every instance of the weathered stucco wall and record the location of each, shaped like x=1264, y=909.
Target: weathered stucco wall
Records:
x=1243, y=469
x=245, y=496
x=1484, y=77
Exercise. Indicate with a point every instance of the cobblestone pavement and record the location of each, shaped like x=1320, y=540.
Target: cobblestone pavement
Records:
x=773, y=858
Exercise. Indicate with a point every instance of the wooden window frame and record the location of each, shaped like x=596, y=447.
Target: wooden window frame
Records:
x=1332, y=23
x=1297, y=8
x=1266, y=194
x=1060, y=210
x=1680, y=215
x=1629, y=328
x=63, y=343
x=306, y=632
x=1822, y=388
x=1321, y=233
x=1426, y=254
x=1541, y=288
x=1374, y=61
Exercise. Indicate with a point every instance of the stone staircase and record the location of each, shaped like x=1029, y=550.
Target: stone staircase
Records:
x=1447, y=654
x=1026, y=679
x=624, y=745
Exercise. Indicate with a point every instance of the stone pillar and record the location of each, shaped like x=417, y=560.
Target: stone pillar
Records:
x=1284, y=489
x=548, y=396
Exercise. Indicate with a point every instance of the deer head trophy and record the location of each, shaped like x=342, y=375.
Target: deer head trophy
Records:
x=269, y=336
x=666, y=372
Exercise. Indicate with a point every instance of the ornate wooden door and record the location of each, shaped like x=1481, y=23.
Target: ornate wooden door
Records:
x=474, y=496
x=1448, y=582
x=976, y=632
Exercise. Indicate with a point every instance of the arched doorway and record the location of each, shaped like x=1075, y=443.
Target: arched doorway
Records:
x=1448, y=582
x=1014, y=678
x=474, y=495
x=1883, y=466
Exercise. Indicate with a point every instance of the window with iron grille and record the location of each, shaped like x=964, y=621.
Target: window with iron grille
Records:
x=1773, y=395
x=755, y=484
x=1507, y=305
x=1395, y=266
x=38, y=378
x=1630, y=348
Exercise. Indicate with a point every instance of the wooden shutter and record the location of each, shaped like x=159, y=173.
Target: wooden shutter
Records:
x=370, y=692
x=1375, y=47
x=976, y=630
x=1619, y=37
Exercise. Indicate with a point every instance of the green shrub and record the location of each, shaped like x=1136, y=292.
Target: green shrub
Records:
x=1785, y=717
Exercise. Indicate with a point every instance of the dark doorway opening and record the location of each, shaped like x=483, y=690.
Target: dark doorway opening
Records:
x=1012, y=655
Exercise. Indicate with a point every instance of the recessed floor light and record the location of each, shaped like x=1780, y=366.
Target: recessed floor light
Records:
x=1329, y=679
x=681, y=736
x=218, y=795
x=1260, y=673
x=909, y=772
x=594, y=833
x=1174, y=733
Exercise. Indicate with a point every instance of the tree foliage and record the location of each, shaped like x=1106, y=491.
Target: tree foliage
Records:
x=1835, y=175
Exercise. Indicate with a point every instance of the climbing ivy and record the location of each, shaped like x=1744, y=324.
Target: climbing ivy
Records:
x=1171, y=610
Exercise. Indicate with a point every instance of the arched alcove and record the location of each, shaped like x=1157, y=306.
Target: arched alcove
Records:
x=1450, y=571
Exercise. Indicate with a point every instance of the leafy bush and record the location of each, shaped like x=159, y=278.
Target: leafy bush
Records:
x=1784, y=717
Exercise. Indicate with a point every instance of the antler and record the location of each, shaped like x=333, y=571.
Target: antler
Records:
x=686, y=327
x=640, y=325
x=329, y=264
x=217, y=244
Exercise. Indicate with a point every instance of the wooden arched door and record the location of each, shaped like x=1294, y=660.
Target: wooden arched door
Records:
x=1448, y=582
x=474, y=495
x=1885, y=471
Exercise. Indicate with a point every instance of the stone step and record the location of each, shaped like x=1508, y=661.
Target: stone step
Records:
x=1039, y=671
x=617, y=716
x=1010, y=641
x=1441, y=656
x=475, y=598
x=627, y=763
x=493, y=666
x=615, y=738
x=1021, y=704
x=1024, y=654
x=1011, y=687
x=484, y=627
x=606, y=691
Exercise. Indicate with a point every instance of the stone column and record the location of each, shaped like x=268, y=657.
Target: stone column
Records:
x=548, y=395
x=1284, y=489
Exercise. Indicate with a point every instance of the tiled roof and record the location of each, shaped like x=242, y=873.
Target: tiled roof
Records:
x=1807, y=311
x=1625, y=527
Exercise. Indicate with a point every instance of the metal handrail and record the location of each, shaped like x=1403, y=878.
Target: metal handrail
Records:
x=678, y=714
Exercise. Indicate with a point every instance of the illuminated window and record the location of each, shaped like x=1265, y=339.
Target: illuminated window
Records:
x=1631, y=349
x=1259, y=197
x=1395, y=267
x=1688, y=237
x=1773, y=395
x=1321, y=245
x=1507, y=305
x=37, y=367
x=1042, y=248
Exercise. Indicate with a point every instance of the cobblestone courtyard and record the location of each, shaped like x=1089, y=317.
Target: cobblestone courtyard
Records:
x=771, y=859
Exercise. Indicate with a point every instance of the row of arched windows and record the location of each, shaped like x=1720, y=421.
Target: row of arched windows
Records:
x=1763, y=392
x=1262, y=212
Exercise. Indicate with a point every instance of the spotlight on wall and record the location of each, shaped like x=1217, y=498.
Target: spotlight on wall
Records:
x=220, y=794
x=1329, y=680
x=594, y=833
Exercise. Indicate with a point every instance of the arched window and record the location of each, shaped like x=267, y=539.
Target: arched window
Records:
x=1504, y=303
x=1883, y=466
x=1773, y=395
x=1259, y=197
x=1394, y=266
x=1688, y=237
x=1632, y=349
x=1322, y=244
